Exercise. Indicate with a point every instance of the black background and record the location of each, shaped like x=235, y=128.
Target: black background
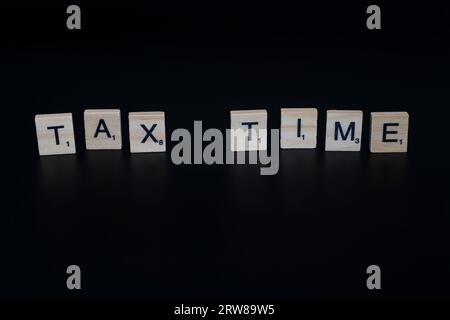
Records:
x=141, y=227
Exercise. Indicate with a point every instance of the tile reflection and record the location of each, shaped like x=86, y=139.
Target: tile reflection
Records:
x=57, y=175
x=144, y=166
x=388, y=167
x=298, y=163
x=341, y=163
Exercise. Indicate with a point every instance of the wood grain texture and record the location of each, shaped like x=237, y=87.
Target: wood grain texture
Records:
x=243, y=138
x=389, y=132
x=55, y=133
x=343, y=132
x=140, y=140
x=298, y=128
x=102, y=129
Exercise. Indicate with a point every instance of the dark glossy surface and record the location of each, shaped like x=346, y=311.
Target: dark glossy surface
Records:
x=141, y=227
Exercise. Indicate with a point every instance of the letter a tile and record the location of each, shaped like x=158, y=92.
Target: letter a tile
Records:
x=102, y=129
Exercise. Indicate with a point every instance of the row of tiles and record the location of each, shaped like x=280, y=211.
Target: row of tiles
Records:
x=388, y=132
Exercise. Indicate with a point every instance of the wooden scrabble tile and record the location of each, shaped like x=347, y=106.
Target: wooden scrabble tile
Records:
x=55, y=133
x=147, y=131
x=102, y=129
x=298, y=128
x=248, y=130
x=343, y=131
x=389, y=131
